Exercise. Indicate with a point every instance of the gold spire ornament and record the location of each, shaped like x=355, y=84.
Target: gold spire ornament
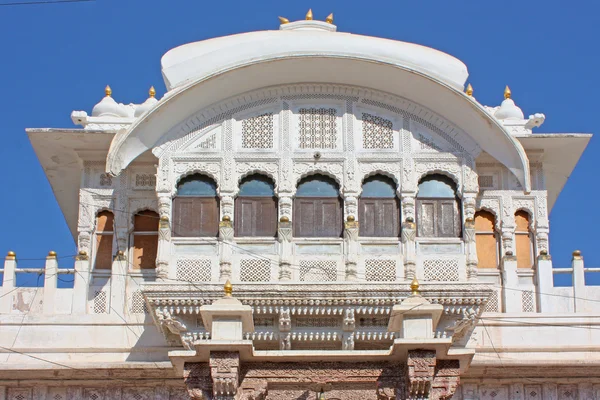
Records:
x=507, y=92
x=107, y=91
x=329, y=19
x=469, y=90
x=283, y=20
x=152, y=91
x=228, y=288
x=414, y=286
x=309, y=15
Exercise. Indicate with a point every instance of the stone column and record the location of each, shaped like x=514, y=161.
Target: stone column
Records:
x=409, y=233
x=470, y=248
x=578, y=281
x=510, y=284
x=351, y=256
x=81, y=283
x=8, y=285
x=163, y=271
x=50, y=281
x=284, y=236
x=118, y=279
x=545, y=281
x=469, y=205
x=226, y=252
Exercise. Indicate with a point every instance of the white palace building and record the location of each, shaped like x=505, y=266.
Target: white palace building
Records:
x=306, y=214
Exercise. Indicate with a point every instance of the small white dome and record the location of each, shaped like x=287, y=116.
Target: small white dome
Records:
x=145, y=106
x=509, y=110
x=108, y=107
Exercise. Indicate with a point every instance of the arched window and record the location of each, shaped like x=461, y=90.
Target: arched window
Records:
x=317, y=208
x=379, y=210
x=145, y=239
x=196, y=207
x=256, y=207
x=104, y=240
x=438, y=211
x=486, y=239
x=523, y=242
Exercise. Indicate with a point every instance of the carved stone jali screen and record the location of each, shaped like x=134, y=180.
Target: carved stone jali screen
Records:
x=225, y=377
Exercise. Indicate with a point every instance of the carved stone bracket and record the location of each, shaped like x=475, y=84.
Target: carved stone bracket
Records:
x=446, y=381
x=225, y=373
x=421, y=370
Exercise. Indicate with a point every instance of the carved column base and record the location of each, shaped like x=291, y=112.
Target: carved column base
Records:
x=285, y=271
x=224, y=271
x=472, y=271
x=351, y=271
x=410, y=270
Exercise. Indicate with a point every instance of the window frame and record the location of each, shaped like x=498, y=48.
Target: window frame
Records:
x=196, y=201
x=97, y=235
x=132, y=237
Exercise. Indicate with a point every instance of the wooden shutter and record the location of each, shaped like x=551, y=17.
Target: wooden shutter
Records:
x=448, y=221
x=145, y=240
x=104, y=240
x=195, y=217
x=426, y=215
x=379, y=217
x=486, y=240
x=256, y=216
x=523, y=243
x=317, y=217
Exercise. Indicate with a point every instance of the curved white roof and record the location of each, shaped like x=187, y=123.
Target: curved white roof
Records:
x=190, y=61
x=205, y=73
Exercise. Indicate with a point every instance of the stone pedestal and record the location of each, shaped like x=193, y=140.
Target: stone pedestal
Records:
x=227, y=319
x=415, y=318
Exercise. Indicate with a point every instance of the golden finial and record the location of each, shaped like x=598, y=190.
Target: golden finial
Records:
x=152, y=91
x=577, y=255
x=228, y=288
x=283, y=20
x=108, y=91
x=226, y=218
x=507, y=92
x=469, y=90
x=350, y=218
x=284, y=218
x=309, y=15
x=329, y=19
x=11, y=255
x=52, y=254
x=414, y=286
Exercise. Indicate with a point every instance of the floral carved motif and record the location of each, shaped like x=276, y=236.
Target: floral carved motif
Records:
x=197, y=379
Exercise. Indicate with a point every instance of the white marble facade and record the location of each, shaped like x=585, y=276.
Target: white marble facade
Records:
x=126, y=333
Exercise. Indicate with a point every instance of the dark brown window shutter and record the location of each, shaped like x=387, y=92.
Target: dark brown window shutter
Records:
x=256, y=216
x=426, y=216
x=195, y=217
x=379, y=217
x=318, y=217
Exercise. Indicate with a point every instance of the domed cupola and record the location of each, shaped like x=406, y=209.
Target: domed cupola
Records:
x=148, y=104
x=108, y=107
x=508, y=109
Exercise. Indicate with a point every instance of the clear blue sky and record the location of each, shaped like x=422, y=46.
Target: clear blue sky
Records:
x=58, y=58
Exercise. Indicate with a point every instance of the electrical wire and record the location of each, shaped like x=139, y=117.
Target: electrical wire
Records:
x=33, y=3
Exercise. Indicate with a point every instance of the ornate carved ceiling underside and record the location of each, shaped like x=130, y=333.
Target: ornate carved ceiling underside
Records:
x=358, y=132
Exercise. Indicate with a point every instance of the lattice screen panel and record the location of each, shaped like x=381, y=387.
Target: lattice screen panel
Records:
x=100, y=302
x=441, y=269
x=257, y=132
x=255, y=270
x=317, y=128
x=377, y=132
x=209, y=143
x=493, y=303
x=318, y=270
x=379, y=270
x=486, y=181
x=193, y=269
x=137, y=305
x=528, y=301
